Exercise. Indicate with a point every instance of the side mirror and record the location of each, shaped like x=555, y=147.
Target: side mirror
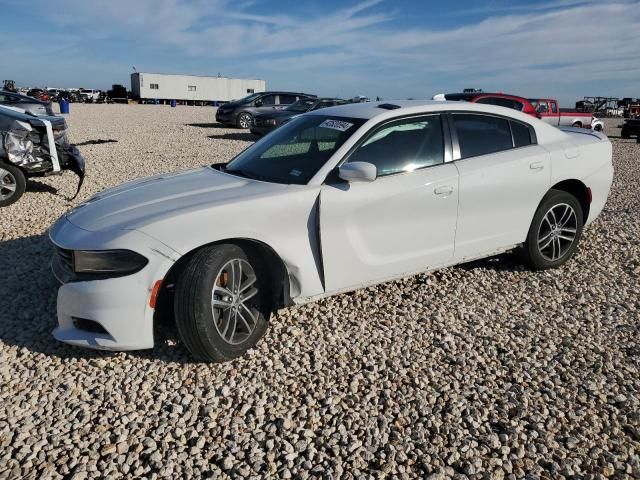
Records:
x=358, y=172
x=258, y=103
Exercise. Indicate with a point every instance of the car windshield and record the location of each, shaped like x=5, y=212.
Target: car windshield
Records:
x=301, y=106
x=294, y=153
x=249, y=98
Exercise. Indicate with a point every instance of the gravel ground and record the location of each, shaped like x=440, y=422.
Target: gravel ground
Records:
x=486, y=370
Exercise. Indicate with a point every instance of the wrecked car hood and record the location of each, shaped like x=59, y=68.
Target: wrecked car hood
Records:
x=140, y=202
x=10, y=114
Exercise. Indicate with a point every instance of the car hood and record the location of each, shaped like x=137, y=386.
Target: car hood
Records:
x=15, y=113
x=141, y=202
x=229, y=106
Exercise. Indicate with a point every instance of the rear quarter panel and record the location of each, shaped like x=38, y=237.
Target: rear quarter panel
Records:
x=587, y=157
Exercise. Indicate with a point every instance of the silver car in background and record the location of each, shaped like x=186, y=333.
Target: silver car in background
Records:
x=23, y=102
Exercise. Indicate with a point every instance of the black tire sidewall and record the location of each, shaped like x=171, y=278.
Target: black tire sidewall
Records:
x=194, y=317
x=533, y=255
x=21, y=184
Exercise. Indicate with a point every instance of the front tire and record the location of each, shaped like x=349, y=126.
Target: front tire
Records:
x=245, y=120
x=13, y=183
x=222, y=303
x=555, y=231
x=577, y=125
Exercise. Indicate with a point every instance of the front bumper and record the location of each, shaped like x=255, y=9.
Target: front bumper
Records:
x=118, y=306
x=226, y=117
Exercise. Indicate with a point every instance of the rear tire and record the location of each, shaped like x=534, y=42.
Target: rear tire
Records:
x=13, y=183
x=222, y=303
x=555, y=231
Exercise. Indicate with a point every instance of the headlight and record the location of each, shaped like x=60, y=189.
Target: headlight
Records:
x=59, y=133
x=108, y=262
x=271, y=122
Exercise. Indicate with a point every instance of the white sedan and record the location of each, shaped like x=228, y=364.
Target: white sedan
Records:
x=332, y=201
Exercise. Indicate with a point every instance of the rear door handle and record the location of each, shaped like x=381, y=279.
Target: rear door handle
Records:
x=444, y=190
x=536, y=166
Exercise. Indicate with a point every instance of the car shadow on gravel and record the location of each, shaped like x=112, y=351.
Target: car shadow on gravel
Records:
x=206, y=125
x=244, y=136
x=506, y=262
x=35, y=186
x=28, y=315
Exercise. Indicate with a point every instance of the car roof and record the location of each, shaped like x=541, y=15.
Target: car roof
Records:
x=278, y=92
x=393, y=108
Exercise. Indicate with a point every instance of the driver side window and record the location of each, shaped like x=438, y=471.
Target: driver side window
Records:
x=403, y=145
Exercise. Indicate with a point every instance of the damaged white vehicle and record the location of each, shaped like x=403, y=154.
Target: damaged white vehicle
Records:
x=334, y=200
x=33, y=146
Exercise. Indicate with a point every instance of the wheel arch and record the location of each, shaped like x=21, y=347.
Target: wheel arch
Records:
x=271, y=261
x=579, y=190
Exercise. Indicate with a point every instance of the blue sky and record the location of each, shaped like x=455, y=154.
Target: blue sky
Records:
x=387, y=48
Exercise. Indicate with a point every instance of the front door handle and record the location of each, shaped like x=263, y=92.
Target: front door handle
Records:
x=536, y=166
x=443, y=190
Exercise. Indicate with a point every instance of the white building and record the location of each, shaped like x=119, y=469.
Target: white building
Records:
x=192, y=88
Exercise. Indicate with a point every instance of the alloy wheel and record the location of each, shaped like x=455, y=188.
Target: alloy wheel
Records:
x=8, y=184
x=557, y=231
x=245, y=121
x=235, y=313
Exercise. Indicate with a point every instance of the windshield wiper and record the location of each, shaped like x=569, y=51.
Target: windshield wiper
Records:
x=250, y=175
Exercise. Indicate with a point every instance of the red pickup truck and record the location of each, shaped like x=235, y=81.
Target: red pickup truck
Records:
x=545, y=109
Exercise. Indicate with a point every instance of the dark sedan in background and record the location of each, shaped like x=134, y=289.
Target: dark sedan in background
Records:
x=241, y=112
x=263, y=123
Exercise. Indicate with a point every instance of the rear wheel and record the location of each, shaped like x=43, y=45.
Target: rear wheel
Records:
x=222, y=303
x=12, y=184
x=555, y=231
x=245, y=120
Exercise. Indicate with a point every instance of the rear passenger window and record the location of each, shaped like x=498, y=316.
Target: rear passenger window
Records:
x=287, y=99
x=521, y=134
x=481, y=134
x=403, y=146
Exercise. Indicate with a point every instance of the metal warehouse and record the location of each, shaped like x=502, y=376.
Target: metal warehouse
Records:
x=192, y=88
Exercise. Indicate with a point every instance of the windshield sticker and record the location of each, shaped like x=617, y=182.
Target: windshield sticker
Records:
x=295, y=173
x=336, y=125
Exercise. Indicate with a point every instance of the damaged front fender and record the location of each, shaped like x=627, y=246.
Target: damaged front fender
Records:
x=37, y=146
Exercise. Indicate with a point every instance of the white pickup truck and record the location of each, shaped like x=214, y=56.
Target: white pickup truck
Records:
x=89, y=95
